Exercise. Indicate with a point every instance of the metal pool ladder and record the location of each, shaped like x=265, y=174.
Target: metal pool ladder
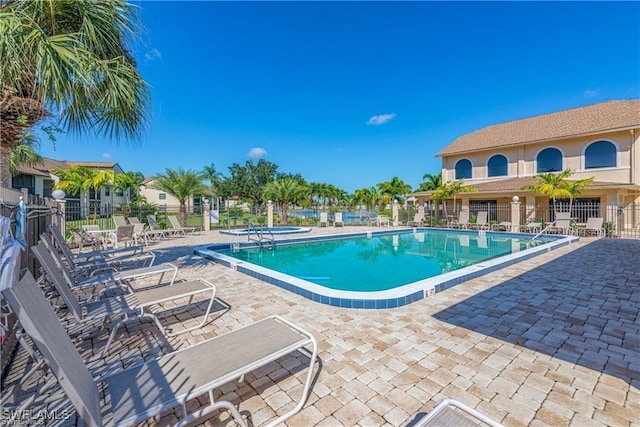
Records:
x=263, y=242
x=540, y=233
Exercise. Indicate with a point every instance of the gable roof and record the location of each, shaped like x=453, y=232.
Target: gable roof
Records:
x=605, y=116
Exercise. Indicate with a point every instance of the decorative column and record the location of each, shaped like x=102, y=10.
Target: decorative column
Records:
x=206, y=218
x=61, y=210
x=515, y=213
x=394, y=213
x=269, y=214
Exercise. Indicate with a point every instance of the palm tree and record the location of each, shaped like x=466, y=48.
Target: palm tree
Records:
x=182, y=184
x=576, y=188
x=370, y=196
x=456, y=187
x=431, y=182
x=551, y=184
x=213, y=176
x=285, y=191
x=128, y=181
x=79, y=179
x=69, y=60
x=394, y=189
x=26, y=154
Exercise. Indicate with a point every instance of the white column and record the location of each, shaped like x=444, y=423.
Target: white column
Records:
x=206, y=218
x=269, y=214
x=515, y=213
x=394, y=213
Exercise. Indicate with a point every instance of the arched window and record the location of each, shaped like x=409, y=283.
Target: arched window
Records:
x=600, y=154
x=497, y=166
x=549, y=160
x=463, y=169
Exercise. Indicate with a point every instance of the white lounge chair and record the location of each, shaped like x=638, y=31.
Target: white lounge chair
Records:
x=383, y=220
x=562, y=226
x=131, y=306
x=337, y=219
x=153, y=226
x=533, y=227
x=145, y=390
x=593, y=226
x=463, y=220
x=451, y=413
x=482, y=221
x=417, y=220
x=180, y=229
x=324, y=219
x=503, y=226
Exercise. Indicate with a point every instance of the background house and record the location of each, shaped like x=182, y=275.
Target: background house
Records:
x=599, y=141
x=41, y=179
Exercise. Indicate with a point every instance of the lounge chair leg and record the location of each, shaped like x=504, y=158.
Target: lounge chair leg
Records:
x=214, y=406
x=205, y=317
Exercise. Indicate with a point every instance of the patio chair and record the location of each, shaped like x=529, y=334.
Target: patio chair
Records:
x=150, y=388
x=119, y=220
x=130, y=306
x=121, y=278
x=97, y=262
x=100, y=237
x=180, y=229
x=123, y=236
x=533, y=227
x=482, y=221
x=324, y=219
x=134, y=220
x=417, y=220
x=562, y=226
x=503, y=226
x=450, y=412
x=463, y=220
x=384, y=220
x=593, y=225
x=153, y=226
x=62, y=245
x=337, y=219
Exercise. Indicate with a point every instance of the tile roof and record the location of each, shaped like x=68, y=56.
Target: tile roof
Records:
x=47, y=164
x=516, y=184
x=605, y=116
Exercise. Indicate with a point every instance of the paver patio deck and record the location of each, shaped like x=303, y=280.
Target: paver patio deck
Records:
x=553, y=340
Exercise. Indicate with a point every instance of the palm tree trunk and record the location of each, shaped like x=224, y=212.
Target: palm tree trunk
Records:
x=5, y=162
x=183, y=214
x=285, y=213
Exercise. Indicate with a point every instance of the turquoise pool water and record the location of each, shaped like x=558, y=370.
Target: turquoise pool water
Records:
x=382, y=262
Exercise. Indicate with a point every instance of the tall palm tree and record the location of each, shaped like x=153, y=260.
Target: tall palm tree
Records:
x=285, y=191
x=395, y=189
x=370, y=196
x=68, y=60
x=551, y=184
x=431, y=182
x=182, y=184
x=458, y=186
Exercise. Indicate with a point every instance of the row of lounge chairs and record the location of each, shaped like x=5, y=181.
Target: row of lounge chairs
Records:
x=149, y=388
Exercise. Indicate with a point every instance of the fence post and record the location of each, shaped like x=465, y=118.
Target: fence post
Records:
x=394, y=213
x=515, y=213
x=206, y=219
x=269, y=214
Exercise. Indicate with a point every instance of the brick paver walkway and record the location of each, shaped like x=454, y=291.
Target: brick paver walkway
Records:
x=554, y=340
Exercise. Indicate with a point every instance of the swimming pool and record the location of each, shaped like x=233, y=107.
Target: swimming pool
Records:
x=379, y=269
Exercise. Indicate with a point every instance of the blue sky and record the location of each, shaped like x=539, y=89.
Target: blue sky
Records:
x=354, y=93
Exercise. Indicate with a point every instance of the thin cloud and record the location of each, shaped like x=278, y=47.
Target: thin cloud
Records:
x=591, y=93
x=257, y=153
x=106, y=156
x=153, y=54
x=381, y=119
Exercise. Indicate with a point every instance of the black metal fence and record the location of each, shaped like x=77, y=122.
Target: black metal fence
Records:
x=39, y=216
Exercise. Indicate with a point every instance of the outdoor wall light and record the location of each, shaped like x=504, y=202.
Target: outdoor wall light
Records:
x=58, y=194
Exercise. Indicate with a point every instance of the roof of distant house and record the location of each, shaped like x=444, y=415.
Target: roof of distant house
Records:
x=47, y=165
x=602, y=117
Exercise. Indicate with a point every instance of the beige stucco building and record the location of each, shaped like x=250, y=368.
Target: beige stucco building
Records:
x=600, y=141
